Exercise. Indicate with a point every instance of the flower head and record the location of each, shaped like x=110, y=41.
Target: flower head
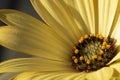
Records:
x=79, y=40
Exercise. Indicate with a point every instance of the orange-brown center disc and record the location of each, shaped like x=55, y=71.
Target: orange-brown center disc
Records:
x=92, y=52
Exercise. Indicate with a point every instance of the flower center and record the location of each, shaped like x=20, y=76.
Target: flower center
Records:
x=92, y=52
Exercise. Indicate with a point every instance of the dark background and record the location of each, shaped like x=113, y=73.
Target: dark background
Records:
x=21, y=5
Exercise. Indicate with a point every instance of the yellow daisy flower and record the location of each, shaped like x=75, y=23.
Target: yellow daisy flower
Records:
x=78, y=41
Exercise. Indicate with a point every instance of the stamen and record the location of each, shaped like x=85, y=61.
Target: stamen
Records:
x=92, y=52
x=97, y=36
x=86, y=36
x=81, y=58
x=91, y=35
x=101, y=52
x=88, y=62
x=94, y=56
x=76, y=51
x=104, y=43
x=81, y=39
x=102, y=47
x=100, y=37
x=76, y=60
x=107, y=46
x=99, y=58
x=105, y=40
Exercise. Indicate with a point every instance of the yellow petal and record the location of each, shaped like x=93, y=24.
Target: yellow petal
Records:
x=58, y=17
x=28, y=35
x=25, y=21
x=27, y=75
x=116, y=66
x=96, y=15
x=115, y=33
x=76, y=18
x=7, y=76
x=50, y=76
x=116, y=18
x=71, y=76
x=117, y=78
x=107, y=9
x=117, y=57
x=86, y=10
x=83, y=12
x=32, y=43
x=102, y=74
x=34, y=64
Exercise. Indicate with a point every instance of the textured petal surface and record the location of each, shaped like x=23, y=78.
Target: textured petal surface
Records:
x=116, y=32
x=57, y=14
x=50, y=76
x=31, y=36
x=22, y=20
x=116, y=20
x=34, y=64
x=83, y=14
x=102, y=74
x=27, y=76
x=116, y=66
x=107, y=9
x=7, y=76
